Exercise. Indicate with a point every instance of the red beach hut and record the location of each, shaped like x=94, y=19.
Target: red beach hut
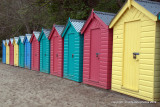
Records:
x=97, y=57
x=56, y=50
x=11, y=51
x=35, y=54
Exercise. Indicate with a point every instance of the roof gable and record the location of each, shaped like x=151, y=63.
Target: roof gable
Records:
x=36, y=34
x=28, y=37
x=77, y=25
x=144, y=6
x=3, y=42
x=58, y=28
x=16, y=39
x=7, y=42
x=20, y=39
x=104, y=18
x=45, y=32
x=10, y=41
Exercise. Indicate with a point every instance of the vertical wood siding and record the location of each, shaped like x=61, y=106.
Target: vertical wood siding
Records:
x=146, y=61
x=7, y=54
x=3, y=53
x=59, y=48
x=21, y=55
x=157, y=63
x=105, y=69
x=11, y=54
x=27, y=54
x=46, y=65
x=16, y=52
x=78, y=59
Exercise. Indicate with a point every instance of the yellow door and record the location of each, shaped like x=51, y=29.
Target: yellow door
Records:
x=7, y=54
x=15, y=55
x=131, y=55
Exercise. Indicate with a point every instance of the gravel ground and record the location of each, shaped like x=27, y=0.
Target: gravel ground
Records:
x=20, y=87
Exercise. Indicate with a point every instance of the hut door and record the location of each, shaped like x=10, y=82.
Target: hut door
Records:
x=43, y=54
x=95, y=55
x=55, y=54
x=26, y=54
x=71, y=55
x=131, y=55
x=34, y=49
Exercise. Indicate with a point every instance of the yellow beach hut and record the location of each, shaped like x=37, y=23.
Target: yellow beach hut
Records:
x=7, y=51
x=136, y=50
x=16, y=52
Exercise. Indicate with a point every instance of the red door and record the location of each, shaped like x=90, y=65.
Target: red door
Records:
x=55, y=54
x=95, y=55
x=11, y=54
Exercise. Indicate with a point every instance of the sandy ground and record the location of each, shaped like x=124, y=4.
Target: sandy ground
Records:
x=20, y=87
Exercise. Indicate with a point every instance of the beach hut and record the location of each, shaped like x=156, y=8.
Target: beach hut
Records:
x=27, y=51
x=44, y=51
x=97, y=52
x=56, y=50
x=73, y=50
x=136, y=50
x=16, y=52
x=7, y=51
x=11, y=52
x=3, y=52
x=35, y=51
x=21, y=51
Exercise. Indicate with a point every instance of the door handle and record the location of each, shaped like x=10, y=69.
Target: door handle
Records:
x=56, y=55
x=135, y=56
x=72, y=55
x=45, y=54
x=97, y=54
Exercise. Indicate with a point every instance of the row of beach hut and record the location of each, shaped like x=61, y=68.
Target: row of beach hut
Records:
x=111, y=51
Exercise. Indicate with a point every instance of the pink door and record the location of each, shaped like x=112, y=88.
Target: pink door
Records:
x=95, y=55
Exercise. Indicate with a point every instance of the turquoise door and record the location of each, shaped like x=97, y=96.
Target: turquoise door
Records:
x=71, y=55
x=44, y=55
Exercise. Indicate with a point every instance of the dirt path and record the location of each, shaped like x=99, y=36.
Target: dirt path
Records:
x=25, y=88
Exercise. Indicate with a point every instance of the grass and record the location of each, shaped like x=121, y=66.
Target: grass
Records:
x=0, y=59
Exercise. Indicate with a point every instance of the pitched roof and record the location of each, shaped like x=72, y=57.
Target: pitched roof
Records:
x=78, y=24
x=37, y=34
x=11, y=39
x=59, y=28
x=7, y=41
x=3, y=41
x=47, y=32
x=105, y=17
x=151, y=6
x=28, y=36
x=16, y=39
x=21, y=38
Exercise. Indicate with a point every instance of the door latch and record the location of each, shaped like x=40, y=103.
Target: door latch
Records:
x=135, y=55
x=45, y=54
x=56, y=55
x=72, y=55
x=97, y=54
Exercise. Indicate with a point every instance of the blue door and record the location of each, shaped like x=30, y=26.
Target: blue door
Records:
x=3, y=54
x=71, y=55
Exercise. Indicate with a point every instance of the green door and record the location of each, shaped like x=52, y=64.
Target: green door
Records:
x=71, y=55
x=44, y=55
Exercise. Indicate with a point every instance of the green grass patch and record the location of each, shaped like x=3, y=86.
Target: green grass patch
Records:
x=0, y=59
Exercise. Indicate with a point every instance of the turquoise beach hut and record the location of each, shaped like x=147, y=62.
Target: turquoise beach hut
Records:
x=44, y=51
x=73, y=50
x=21, y=51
